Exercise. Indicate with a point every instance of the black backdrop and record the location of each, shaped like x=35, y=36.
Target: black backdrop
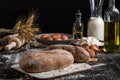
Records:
x=53, y=15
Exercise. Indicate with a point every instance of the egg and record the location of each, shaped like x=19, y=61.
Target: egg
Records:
x=59, y=39
x=49, y=38
x=44, y=36
x=54, y=36
x=58, y=35
x=64, y=37
x=92, y=53
x=85, y=46
x=95, y=48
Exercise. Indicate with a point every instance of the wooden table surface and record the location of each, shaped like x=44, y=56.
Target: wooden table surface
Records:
x=107, y=68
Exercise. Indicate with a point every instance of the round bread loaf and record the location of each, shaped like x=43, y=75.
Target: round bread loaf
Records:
x=46, y=61
x=81, y=55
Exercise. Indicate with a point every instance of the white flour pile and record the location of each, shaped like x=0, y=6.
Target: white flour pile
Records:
x=89, y=40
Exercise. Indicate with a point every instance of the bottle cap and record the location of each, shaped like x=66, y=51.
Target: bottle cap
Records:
x=78, y=15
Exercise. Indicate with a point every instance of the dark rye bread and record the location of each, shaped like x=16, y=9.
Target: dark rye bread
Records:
x=46, y=61
x=79, y=53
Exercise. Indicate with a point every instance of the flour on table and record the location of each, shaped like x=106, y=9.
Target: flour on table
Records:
x=76, y=67
x=89, y=40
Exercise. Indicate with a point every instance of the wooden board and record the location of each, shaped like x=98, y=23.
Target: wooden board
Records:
x=76, y=67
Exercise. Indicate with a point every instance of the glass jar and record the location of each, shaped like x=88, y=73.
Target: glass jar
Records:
x=96, y=23
x=111, y=28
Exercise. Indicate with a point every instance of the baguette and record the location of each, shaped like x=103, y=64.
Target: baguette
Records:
x=46, y=61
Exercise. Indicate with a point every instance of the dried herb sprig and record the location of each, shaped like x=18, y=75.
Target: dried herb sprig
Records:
x=26, y=29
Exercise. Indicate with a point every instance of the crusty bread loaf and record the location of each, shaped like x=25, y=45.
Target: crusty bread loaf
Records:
x=79, y=53
x=46, y=60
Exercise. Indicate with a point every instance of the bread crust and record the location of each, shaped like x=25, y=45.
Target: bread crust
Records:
x=79, y=53
x=46, y=61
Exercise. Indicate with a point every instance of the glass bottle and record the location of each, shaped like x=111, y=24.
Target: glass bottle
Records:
x=96, y=23
x=78, y=26
x=112, y=28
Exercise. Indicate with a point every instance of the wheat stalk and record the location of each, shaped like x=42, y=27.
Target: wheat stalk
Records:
x=26, y=29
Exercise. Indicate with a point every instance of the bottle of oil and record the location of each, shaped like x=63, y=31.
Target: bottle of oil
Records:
x=111, y=29
x=78, y=26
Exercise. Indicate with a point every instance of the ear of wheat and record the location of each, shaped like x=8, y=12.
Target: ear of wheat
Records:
x=26, y=29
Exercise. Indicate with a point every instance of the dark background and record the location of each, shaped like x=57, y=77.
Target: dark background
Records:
x=53, y=15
